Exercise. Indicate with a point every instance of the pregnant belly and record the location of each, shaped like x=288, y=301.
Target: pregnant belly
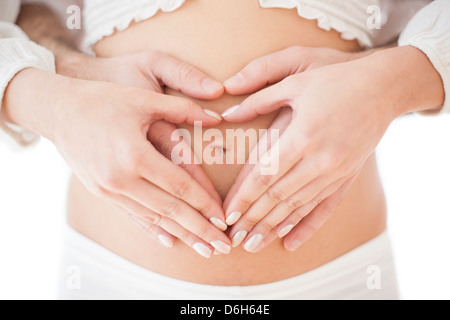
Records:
x=221, y=37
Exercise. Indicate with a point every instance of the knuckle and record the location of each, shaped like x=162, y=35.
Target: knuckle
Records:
x=181, y=189
x=263, y=181
x=130, y=160
x=244, y=203
x=185, y=237
x=185, y=105
x=297, y=216
x=203, y=233
x=170, y=210
x=153, y=219
x=265, y=227
x=251, y=221
x=185, y=72
x=261, y=66
x=294, y=203
x=111, y=180
x=275, y=195
x=206, y=207
x=317, y=201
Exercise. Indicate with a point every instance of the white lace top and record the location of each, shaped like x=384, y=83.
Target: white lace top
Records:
x=349, y=17
x=429, y=31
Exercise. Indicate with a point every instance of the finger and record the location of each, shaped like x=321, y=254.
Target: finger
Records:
x=259, y=229
x=290, y=212
x=169, y=207
x=258, y=181
x=175, y=109
x=296, y=188
x=314, y=220
x=266, y=70
x=180, y=185
x=280, y=123
x=184, y=77
x=156, y=233
x=142, y=217
x=201, y=247
x=262, y=102
x=166, y=227
x=160, y=135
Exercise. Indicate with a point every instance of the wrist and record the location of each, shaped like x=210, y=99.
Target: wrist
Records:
x=408, y=79
x=74, y=64
x=37, y=109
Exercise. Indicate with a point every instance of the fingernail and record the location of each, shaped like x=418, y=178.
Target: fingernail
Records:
x=213, y=114
x=221, y=246
x=254, y=242
x=238, y=238
x=217, y=253
x=230, y=111
x=202, y=250
x=233, y=218
x=235, y=81
x=165, y=241
x=211, y=86
x=283, y=232
x=294, y=245
x=219, y=223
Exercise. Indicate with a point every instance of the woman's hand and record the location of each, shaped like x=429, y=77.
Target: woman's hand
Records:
x=101, y=130
x=151, y=70
x=337, y=116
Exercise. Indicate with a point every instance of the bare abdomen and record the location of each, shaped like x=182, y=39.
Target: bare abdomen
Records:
x=221, y=37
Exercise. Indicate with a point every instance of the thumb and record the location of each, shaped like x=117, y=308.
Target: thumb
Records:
x=262, y=102
x=184, y=77
x=266, y=70
x=160, y=135
x=178, y=110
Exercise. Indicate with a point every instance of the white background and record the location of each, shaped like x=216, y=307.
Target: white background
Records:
x=414, y=159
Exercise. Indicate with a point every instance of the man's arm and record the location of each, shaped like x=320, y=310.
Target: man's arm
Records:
x=43, y=27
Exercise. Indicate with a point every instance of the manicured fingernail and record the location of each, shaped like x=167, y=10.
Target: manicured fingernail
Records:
x=294, y=245
x=202, y=250
x=238, y=238
x=219, y=223
x=211, y=86
x=221, y=246
x=233, y=218
x=230, y=111
x=254, y=242
x=165, y=241
x=283, y=232
x=235, y=81
x=212, y=114
x=217, y=253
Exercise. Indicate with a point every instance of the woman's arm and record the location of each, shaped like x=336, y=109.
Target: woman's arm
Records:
x=406, y=79
x=339, y=114
x=87, y=143
x=429, y=31
x=16, y=54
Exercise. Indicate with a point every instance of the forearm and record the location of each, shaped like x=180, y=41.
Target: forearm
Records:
x=35, y=110
x=43, y=27
x=406, y=78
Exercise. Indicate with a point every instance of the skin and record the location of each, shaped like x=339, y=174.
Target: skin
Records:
x=227, y=269
x=125, y=173
x=181, y=34
x=318, y=164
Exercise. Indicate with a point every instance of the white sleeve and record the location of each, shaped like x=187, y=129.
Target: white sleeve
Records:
x=429, y=31
x=17, y=52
